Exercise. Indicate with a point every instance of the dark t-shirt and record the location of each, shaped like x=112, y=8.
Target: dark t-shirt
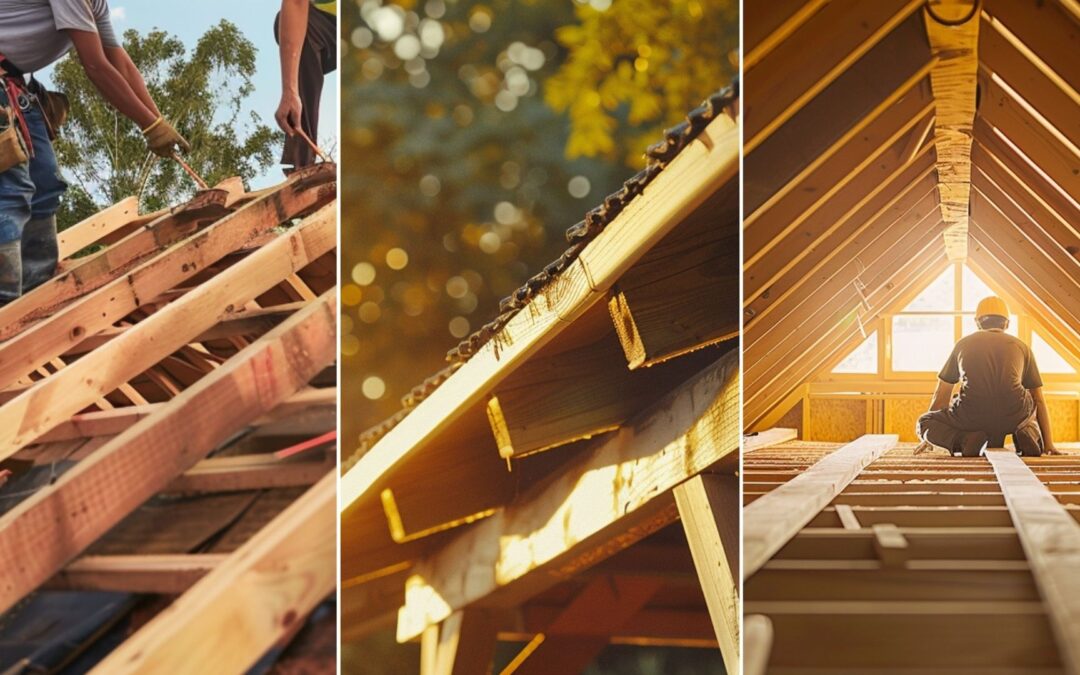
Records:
x=995, y=371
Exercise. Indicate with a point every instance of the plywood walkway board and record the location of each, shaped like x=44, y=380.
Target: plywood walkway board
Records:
x=953, y=29
x=55, y=399
x=615, y=494
x=1051, y=540
x=268, y=587
x=770, y=522
x=697, y=171
x=709, y=510
x=113, y=481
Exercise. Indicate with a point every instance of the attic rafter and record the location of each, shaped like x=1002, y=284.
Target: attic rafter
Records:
x=954, y=81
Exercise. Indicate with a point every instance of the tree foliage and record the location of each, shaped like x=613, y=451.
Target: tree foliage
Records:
x=103, y=154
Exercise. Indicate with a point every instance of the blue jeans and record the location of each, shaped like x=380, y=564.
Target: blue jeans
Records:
x=33, y=189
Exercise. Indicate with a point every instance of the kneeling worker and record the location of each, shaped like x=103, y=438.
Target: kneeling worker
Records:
x=1000, y=392
x=33, y=35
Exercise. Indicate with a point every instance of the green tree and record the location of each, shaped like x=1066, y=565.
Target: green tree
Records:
x=103, y=154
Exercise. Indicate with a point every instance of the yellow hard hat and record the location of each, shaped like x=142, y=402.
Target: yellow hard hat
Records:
x=992, y=306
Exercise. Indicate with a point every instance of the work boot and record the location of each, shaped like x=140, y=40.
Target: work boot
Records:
x=40, y=252
x=10, y=272
x=972, y=443
x=1028, y=438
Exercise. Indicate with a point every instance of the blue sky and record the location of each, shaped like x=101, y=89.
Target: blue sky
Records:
x=189, y=19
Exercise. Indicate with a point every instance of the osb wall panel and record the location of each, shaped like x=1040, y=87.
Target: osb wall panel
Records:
x=900, y=416
x=792, y=420
x=1064, y=419
x=836, y=420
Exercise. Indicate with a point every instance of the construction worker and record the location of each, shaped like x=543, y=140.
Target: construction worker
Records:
x=1000, y=392
x=306, y=32
x=33, y=35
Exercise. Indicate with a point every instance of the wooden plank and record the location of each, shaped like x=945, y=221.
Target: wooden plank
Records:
x=768, y=439
x=113, y=481
x=773, y=520
x=699, y=170
x=1051, y=540
x=890, y=544
x=613, y=495
x=759, y=638
x=101, y=224
x=160, y=574
x=954, y=81
x=709, y=510
x=683, y=295
x=555, y=399
x=268, y=586
x=768, y=24
x=582, y=630
x=466, y=644
x=251, y=472
x=1046, y=29
x=848, y=517
x=57, y=398
x=871, y=635
x=112, y=302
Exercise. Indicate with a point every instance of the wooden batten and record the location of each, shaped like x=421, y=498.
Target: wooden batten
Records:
x=683, y=295
x=954, y=79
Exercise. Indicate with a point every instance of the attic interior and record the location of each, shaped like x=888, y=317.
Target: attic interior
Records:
x=925, y=158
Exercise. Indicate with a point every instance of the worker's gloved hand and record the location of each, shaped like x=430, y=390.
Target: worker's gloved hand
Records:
x=163, y=139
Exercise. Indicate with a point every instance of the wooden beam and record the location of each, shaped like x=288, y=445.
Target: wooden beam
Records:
x=699, y=170
x=709, y=510
x=770, y=522
x=159, y=574
x=767, y=439
x=954, y=43
x=466, y=644
x=117, y=478
x=101, y=224
x=1051, y=540
x=268, y=586
x=560, y=527
x=759, y=638
x=768, y=25
x=560, y=398
x=683, y=295
x=55, y=399
x=583, y=629
x=1046, y=29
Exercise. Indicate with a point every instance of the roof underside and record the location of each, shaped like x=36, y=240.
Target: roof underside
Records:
x=865, y=167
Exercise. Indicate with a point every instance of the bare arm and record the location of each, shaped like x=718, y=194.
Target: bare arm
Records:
x=1042, y=414
x=292, y=29
x=942, y=395
x=123, y=64
x=108, y=80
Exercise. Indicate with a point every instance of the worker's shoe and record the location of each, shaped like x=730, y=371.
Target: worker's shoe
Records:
x=1028, y=438
x=972, y=443
x=10, y=272
x=40, y=252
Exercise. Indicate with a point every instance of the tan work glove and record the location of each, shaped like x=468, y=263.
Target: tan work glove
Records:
x=163, y=139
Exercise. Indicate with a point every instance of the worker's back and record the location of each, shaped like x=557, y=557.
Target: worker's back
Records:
x=995, y=370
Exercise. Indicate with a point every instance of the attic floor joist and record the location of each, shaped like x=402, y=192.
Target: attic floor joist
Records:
x=197, y=319
x=895, y=556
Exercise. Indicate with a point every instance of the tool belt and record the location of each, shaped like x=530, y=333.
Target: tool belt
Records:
x=15, y=145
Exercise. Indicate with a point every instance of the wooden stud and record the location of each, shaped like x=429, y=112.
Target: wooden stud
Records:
x=890, y=544
x=709, y=510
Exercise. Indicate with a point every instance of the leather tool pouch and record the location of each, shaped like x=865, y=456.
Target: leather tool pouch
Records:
x=54, y=105
x=13, y=151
